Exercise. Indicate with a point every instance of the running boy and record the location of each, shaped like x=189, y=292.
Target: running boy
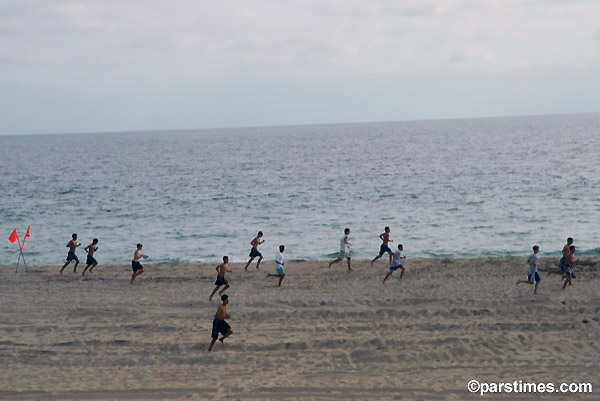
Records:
x=135, y=263
x=221, y=280
x=562, y=264
x=254, y=251
x=279, y=265
x=533, y=277
x=72, y=245
x=385, y=237
x=91, y=260
x=219, y=323
x=395, y=265
x=344, y=249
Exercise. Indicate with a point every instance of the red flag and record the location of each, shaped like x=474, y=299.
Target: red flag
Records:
x=25, y=237
x=13, y=236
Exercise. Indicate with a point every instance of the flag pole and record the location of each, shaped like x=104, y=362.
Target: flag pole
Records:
x=20, y=252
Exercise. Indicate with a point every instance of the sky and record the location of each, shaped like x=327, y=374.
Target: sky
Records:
x=104, y=65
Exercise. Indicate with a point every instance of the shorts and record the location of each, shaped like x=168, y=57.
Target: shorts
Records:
x=342, y=255
x=254, y=253
x=91, y=260
x=136, y=266
x=570, y=273
x=383, y=249
x=280, y=270
x=71, y=256
x=535, y=277
x=394, y=268
x=562, y=265
x=219, y=326
x=221, y=280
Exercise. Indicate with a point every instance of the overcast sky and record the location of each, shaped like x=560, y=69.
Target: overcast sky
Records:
x=85, y=66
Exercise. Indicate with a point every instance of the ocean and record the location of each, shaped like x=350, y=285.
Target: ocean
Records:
x=470, y=188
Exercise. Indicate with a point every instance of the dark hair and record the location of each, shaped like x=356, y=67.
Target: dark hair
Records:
x=95, y=240
x=572, y=247
x=74, y=236
x=400, y=246
x=346, y=231
x=569, y=239
x=281, y=248
x=139, y=244
x=224, y=297
x=387, y=228
x=535, y=247
x=260, y=233
x=225, y=258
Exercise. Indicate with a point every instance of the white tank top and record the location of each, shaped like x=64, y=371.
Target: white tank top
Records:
x=343, y=246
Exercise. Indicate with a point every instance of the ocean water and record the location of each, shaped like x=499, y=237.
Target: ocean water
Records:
x=447, y=188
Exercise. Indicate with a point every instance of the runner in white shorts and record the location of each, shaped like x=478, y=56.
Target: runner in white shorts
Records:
x=344, y=249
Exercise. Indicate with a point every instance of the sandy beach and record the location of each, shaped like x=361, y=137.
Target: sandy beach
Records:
x=326, y=334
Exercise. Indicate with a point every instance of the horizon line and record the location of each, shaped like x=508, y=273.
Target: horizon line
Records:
x=154, y=130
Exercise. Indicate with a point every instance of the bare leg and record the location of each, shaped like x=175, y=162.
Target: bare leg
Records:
x=555, y=272
x=223, y=290
x=75, y=267
x=281, y=279
x=230, y=332
x=386, y=276
x=349, y=267
x=134, y=275
x=537, y=283
x=333, y=262
x=211, y=344
x=523, y=282
x=94, y=265
x=258, y=264
x=63, y=268
x=373, y=261
x=389, y=253
x=248, y=264
x=85, y=269
x=401, y=274
x=214, y=292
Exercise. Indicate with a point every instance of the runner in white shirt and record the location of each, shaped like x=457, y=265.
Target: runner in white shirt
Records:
x=344, y=249
x=533, y=277
x=395, y=265
x=279, y=265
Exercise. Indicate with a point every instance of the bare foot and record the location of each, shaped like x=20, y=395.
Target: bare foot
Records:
x=222, y=342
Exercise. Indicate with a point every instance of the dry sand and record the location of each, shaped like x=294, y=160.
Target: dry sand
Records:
x=326, y=334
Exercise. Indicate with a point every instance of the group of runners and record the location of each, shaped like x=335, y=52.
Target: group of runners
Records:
x=565, y=266
x=220, y=326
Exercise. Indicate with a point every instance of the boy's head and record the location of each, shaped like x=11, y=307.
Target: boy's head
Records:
x=225, y=259
x=569, y=240
x=74, y=236
x=139, y=246
x=387, y=229
x=347, y=231
x=260, y=234
x=572, y=248
x=225, y=299
x=400, y=247
x=95, y=241
x=536, y=249
x=281, y=248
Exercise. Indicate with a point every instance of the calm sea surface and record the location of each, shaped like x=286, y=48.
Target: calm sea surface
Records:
x=448, y=188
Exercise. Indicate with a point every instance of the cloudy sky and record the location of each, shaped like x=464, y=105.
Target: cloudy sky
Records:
x=89, y=66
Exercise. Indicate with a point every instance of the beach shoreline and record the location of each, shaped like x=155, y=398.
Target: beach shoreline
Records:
x=325, y=334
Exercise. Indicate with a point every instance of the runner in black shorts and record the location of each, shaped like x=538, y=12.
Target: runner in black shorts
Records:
x=254, y=253
x=219, y=324
x=385, y=237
